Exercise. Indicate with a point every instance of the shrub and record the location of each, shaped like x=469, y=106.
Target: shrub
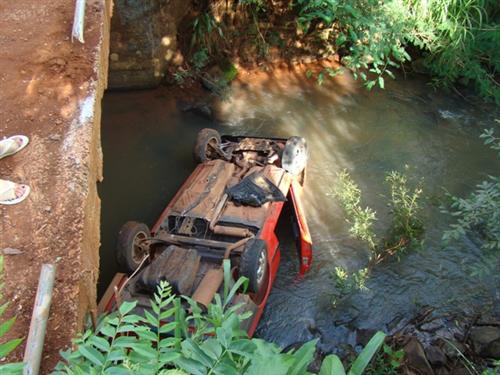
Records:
x=406, y=227
x=458, y=38
x=370, y=34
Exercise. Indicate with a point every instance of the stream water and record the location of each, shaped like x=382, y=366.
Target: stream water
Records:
x=430, y=135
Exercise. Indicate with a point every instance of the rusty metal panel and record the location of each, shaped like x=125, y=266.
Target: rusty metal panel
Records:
x=201, y=197
x=177, y=265
x=255, y=216
x=208, y=286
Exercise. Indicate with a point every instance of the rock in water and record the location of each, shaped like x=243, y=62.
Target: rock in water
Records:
x=435, y=356
x=415, y=357
x=486, y=341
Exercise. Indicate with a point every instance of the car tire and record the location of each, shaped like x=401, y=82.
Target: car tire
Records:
x=254, y=265
x=205, y=142
x=128, y=255
x=295, y=155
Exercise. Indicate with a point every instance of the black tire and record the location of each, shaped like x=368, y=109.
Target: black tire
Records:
x=295, y=155
x=207, y=140
x=254, y=265
x=128, y=255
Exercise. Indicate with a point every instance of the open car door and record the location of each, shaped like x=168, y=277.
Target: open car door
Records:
x=304, y=241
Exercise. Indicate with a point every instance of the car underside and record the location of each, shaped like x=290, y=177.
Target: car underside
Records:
x=227, y=209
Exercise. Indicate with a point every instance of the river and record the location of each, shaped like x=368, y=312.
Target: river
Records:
x=430, y=135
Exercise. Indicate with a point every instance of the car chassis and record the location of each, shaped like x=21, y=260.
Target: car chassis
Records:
x=228, y=208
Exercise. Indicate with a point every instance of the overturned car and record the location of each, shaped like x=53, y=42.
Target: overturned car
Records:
x=228, y=208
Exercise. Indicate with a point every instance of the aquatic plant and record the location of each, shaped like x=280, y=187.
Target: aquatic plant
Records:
x=406, y=225
x=405, y=208
x=171, y=341
x=480, y=211
x=8, y=346
x=360, y=218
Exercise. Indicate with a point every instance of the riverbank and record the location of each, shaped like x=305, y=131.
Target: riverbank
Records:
x=51, y=92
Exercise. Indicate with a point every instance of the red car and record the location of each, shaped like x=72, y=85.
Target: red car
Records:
x=228, y=208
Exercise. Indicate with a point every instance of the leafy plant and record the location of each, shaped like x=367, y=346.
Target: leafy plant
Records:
x=406, y=227
x=386, y=362
x=254, y=8
x=207, y=33
x=360, y=218
x=371, y=34
x=405, y=208
x=7, y=347
x=457, y=38
x=200, y=59
x=171, y=340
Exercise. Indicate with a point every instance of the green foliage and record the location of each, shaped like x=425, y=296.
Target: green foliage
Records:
x=333, y=366
x=405, y=208
x=200, y=59
x=254, y=9
x=360, y=218
x=346, y=282
x=172, y=341
x=207, y=33
x=7, y=347
x=369, y=33
x=458, y=38
x=480, y=211
x=405, y=229
x=387, y=362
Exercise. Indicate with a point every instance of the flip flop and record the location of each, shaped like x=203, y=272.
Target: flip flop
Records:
x=8, y=192
x=11, y=145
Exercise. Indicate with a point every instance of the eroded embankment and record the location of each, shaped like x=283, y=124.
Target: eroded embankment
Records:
x=51, y=92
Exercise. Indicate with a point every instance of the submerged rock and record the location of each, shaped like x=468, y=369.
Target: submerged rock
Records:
x=486, y=341
x=435, y=355
x=364, y=335
x=200, y=108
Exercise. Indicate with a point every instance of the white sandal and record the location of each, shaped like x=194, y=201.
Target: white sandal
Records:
x=8, y=192
x=11, y=145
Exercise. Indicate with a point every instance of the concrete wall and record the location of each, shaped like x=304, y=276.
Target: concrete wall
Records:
x=144, y=41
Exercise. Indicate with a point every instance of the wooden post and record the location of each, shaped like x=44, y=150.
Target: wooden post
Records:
x=38, y=325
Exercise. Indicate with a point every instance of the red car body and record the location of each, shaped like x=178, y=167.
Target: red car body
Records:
x=238, y=220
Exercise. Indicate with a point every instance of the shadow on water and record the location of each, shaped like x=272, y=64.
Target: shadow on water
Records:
x=147, y=145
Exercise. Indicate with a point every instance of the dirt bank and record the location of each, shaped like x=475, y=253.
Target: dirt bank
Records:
x=51, y=91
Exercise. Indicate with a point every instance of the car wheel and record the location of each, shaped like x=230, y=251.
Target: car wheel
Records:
x=294, y=158
x=254, y=265
x=207, y=145
x=129, y=253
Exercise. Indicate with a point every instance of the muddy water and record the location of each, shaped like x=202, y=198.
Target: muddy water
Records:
x=408, y=127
